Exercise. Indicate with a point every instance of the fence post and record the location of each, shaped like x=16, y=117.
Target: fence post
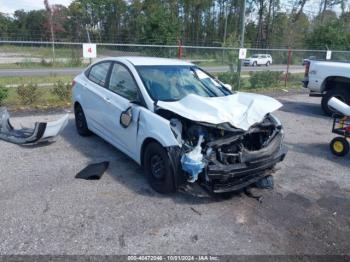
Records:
x=288, y=63
x=179, y=53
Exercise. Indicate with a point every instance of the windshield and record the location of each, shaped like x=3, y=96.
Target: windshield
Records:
x=171, y=83
x=255, y=56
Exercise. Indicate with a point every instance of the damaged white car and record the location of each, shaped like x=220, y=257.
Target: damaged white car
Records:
x=181, y=124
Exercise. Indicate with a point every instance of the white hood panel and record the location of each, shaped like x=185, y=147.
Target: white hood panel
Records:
x=241, y=110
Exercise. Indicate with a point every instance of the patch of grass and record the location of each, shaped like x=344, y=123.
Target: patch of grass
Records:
x=46, y=100
x=229, y=78
x=20, y=80
x=62, y=90
x=3, y=94
x=26, y=65
x=37, y=50
x=265, y=79
x=28, y=94
x=40, y=56
x=293, y=83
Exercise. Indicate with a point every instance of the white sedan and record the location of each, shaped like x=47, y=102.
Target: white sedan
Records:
x=180, y=123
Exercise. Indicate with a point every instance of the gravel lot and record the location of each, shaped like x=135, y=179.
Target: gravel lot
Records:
x=45, y=210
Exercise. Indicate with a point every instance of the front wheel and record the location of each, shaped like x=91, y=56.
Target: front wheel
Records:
x=340, y=93
x=339, y=146
x=255, y=63
x=267, y=63
x=158, y=169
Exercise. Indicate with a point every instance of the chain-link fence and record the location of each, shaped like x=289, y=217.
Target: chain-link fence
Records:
x=286, y=68
x=71, y=53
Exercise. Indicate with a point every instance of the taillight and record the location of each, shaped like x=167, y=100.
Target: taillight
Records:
x=307, y=68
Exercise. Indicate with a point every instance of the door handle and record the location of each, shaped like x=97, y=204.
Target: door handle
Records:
x=108, y=100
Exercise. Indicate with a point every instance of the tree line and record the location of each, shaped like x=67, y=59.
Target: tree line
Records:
x=269, y=23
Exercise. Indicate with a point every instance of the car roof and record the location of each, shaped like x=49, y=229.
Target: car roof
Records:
x=149, y=61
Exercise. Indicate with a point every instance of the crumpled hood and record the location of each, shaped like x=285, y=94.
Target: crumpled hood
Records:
x=241, y=110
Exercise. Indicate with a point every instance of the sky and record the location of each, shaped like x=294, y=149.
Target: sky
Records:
x=10, y=6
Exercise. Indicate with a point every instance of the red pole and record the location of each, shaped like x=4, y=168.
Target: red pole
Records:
x=288, y=63
x=179, y=53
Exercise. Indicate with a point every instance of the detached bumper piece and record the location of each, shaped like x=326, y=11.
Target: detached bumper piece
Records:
x=220, y=178
x=42, y=131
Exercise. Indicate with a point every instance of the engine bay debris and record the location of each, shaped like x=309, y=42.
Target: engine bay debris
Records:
x=225, y=158
x=41, y=132
x=192, y=162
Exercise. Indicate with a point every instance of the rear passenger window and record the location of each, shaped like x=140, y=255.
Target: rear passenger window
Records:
x=98, y=73
x=122, y=82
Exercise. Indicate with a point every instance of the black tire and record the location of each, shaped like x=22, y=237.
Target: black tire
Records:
x=158, y=169
x=268, y=63
x=80, y=121
x=340, y=93
x=339, y=146
x=255, y=63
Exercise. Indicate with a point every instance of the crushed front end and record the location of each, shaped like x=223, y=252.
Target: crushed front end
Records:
x=229, y=159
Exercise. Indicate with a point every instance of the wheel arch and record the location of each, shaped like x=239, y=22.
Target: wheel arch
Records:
x=144, y=145
x=76, y=104
x=335, y=82
x=174, y=153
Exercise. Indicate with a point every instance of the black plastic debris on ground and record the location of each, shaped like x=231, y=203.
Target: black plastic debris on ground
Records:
x=93, y=171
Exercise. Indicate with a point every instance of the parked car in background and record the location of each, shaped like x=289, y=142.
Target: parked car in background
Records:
x=178, y=122
x=258, y=59
x=328, y=79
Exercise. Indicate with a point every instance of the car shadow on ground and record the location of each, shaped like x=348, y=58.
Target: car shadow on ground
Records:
x=127, y=172
x=302, y=108
x=321, y=150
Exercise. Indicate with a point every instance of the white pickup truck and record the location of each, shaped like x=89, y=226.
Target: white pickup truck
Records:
x=328, y=79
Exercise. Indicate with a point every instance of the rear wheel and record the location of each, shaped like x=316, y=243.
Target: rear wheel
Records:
x=80, y=121
x=268, y=63
x=340, y=93
x=339, y=146
x=158, y=169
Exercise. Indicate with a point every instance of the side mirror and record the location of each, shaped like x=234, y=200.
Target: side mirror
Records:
x=126, y=117
x=228, y=86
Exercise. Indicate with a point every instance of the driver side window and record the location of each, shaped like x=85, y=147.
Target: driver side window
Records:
x=122, y=83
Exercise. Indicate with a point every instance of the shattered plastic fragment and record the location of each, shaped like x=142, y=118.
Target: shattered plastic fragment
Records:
x=192, y=162
x=42, y=131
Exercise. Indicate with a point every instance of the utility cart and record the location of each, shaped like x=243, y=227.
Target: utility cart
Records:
x=341, y=126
